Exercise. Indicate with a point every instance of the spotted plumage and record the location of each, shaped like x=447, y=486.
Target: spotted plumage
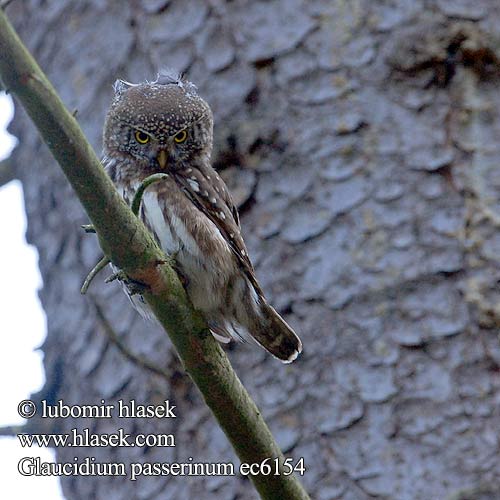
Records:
x=164, y=126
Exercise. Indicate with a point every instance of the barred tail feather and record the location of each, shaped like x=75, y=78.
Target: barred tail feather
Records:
x=275, y=335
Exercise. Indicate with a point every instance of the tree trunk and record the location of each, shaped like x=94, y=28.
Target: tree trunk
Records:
x=359, y=139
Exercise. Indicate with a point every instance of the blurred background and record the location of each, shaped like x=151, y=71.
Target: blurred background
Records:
x=360, y=142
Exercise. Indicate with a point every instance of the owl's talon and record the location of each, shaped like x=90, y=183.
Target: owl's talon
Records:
x=88, y=228
x=119, y=275
x=134, y=287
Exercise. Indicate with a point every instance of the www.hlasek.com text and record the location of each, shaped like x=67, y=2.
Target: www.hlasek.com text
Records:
x=83, y=438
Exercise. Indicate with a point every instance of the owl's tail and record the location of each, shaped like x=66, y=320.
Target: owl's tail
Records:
x=250, y=316
x=272, y=332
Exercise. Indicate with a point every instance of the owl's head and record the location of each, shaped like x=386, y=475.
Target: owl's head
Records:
x=162, y=124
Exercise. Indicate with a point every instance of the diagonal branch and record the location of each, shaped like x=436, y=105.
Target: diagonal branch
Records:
x=128, y=244
x=6, y=171
x=11, y=430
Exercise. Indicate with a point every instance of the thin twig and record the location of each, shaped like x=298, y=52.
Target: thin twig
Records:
x=12, y=430
x=93, y=273
x=136, y=203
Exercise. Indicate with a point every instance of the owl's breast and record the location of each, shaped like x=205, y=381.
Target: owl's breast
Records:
x=202, y=254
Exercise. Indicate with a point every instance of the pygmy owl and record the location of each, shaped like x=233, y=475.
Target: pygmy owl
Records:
x=165, y=126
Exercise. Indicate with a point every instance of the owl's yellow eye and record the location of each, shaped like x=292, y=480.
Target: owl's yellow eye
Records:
x=180, y=137
x=141, y=137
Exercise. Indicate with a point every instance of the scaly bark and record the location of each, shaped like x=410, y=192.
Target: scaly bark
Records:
x=126, y=241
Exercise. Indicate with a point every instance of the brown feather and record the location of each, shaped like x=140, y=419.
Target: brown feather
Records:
x=213, y=188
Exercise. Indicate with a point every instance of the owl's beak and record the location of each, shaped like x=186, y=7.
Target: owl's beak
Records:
x=162, y=159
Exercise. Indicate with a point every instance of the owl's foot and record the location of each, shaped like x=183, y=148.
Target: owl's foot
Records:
x=88, y=228
x=134, y=287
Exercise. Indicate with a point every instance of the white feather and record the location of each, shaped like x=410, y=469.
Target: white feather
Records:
x=194, y=185
x=183, y=234
x=156, y=218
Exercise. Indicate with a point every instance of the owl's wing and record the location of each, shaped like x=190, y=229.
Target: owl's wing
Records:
x=220, y=185
x=210, y=195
